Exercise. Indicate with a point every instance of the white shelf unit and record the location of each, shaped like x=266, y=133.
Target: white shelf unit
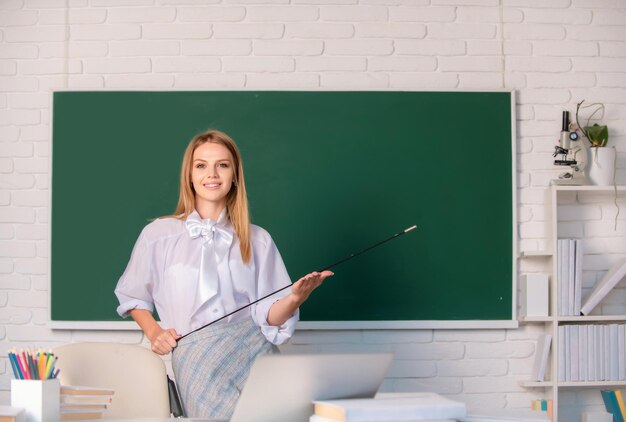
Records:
x=552, y=322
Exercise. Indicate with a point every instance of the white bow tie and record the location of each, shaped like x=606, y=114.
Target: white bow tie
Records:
x=216, y=241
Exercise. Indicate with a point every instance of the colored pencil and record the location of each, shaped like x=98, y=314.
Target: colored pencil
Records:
x=16, y=367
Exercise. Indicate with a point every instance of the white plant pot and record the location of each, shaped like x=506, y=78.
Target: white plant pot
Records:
x=602, y=166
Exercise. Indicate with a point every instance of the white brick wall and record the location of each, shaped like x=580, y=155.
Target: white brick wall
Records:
x=556, y=53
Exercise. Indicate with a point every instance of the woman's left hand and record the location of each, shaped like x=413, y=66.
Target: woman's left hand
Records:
x=283, y=309
x=302, y=288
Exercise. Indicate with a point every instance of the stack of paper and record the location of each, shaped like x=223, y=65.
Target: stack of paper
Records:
x=83, y=403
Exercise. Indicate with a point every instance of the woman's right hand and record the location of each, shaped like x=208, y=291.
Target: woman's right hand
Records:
x=163, y=341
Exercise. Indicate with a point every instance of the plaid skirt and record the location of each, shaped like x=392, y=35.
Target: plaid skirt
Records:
x=212, y=365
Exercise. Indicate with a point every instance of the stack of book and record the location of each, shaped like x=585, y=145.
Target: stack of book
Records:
x=396, y=408
x=569, y=276
x=84, y=403
x=592, y=352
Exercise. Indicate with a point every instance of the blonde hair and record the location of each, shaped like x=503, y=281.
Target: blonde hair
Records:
x=236, y=201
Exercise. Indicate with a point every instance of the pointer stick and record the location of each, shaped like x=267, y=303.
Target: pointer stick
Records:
x=370, y=247
x=349, y=257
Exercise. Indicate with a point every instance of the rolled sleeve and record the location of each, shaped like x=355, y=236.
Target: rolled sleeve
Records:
x=271, y=276
x=128, y=304
x=275, y=334
x=134, y=288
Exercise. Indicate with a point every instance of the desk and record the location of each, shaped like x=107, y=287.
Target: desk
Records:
x=172, y=419
x=165, y=420
x=186, y=420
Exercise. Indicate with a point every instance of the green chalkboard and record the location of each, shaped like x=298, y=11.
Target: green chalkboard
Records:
x=328, y=173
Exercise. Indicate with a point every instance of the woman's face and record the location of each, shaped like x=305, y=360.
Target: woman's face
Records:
x=212, y=174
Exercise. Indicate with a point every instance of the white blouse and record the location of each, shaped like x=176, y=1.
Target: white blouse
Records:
x=192, y=273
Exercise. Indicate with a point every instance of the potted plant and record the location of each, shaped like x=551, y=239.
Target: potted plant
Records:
x=601, y=170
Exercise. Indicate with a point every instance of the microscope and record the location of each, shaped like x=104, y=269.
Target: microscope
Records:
x=570, y=152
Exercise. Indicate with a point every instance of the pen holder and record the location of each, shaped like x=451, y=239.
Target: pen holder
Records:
x=40, y=399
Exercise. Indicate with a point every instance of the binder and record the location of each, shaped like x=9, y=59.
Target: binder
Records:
x=615, y=274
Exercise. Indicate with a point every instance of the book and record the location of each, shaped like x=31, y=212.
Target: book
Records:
x=620, y=403
x=599, y=342
x=562, y=353
x=608, y=403
x=72, y=411
x=614, y=356
x=73, y=416
x=76, y=399
x=406, y=408
x=591, y=354
x=12, y=414
x=578, y=276
x=534, y=293
x=615, y=274
x=621, y=352
x=508, y=415
x=542, y=353
x=315, y=418
x=563, y=276
x=550, y=410
x=83, y=406
x=611, y=405
x=607, y=352
x=86, y=391
x=571, y=276
x=574, y=374
x=583, y=359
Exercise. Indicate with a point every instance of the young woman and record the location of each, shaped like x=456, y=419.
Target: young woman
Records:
x=201, y=263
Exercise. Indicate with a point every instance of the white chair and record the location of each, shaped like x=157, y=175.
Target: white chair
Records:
x=137, y=375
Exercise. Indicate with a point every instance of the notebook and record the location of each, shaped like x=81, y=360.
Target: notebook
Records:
x=282, y=387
